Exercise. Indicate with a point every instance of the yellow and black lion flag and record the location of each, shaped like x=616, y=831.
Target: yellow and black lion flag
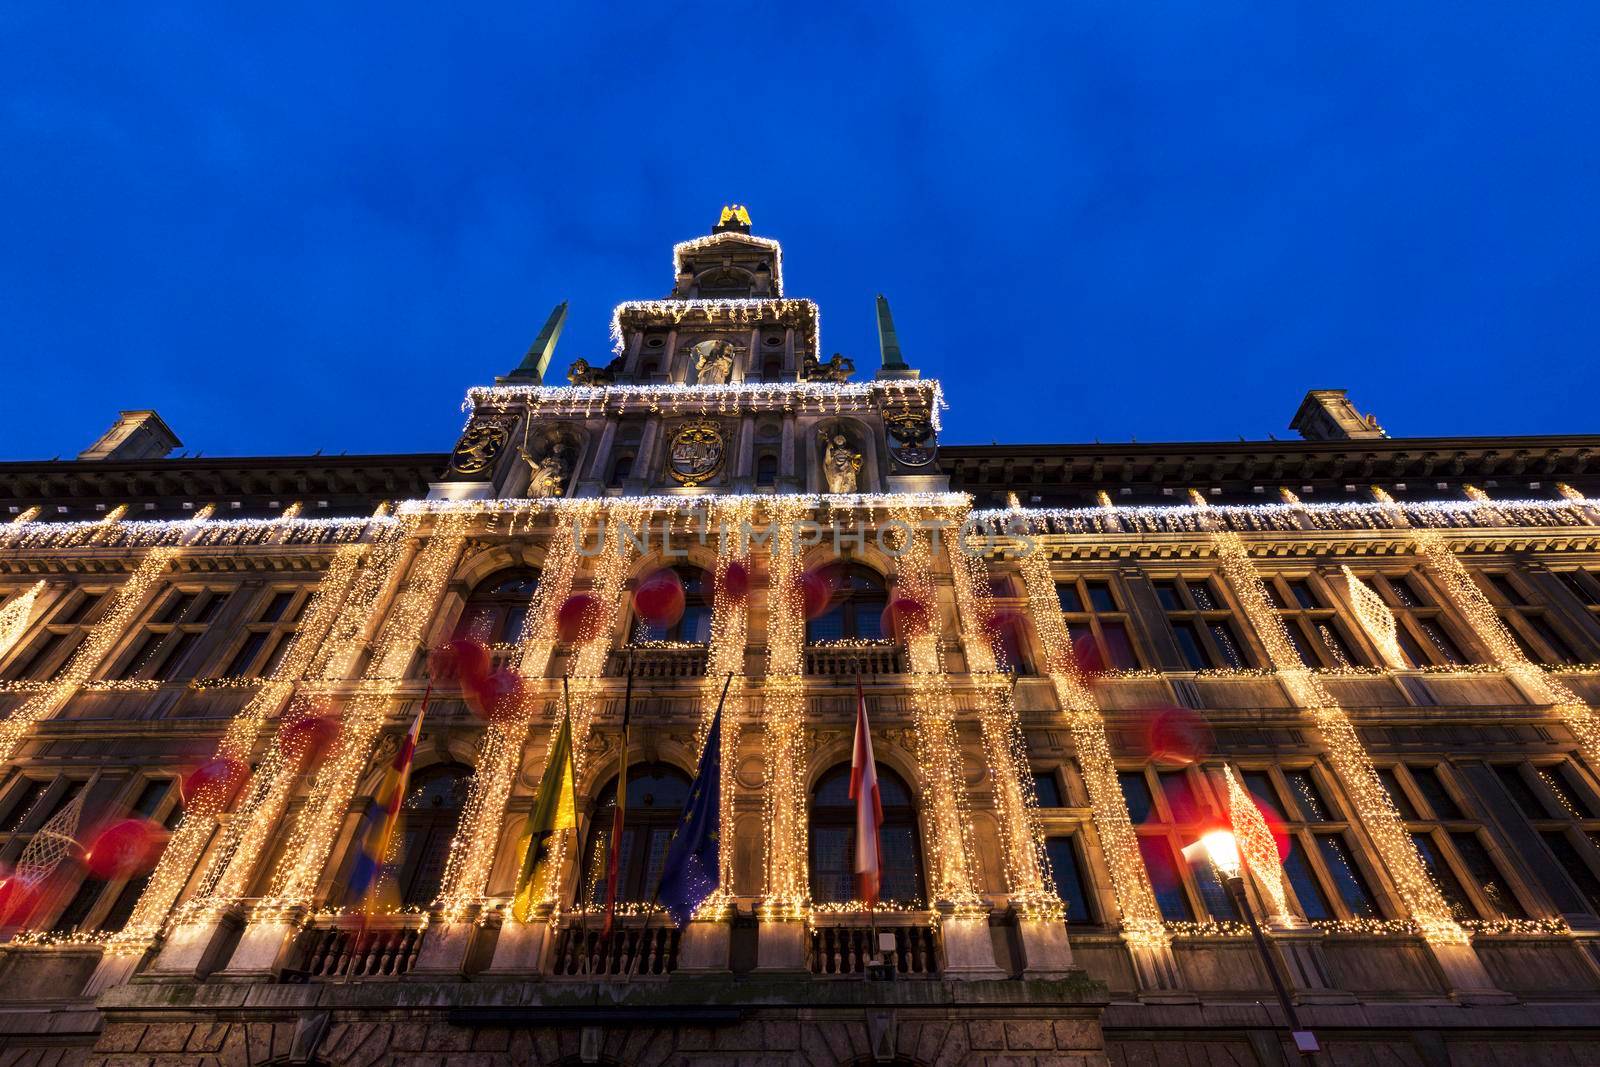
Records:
x=555, y=808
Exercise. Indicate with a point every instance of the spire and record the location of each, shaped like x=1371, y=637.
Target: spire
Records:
x=537, y=360
x=894, y=366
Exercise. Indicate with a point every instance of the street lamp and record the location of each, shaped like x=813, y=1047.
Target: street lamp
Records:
x=1222, y=849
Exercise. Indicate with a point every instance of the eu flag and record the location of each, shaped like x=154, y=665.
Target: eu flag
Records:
x=692, y=866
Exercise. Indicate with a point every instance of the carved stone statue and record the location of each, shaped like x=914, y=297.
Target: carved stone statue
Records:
x=841, y=464
x=837, y=369
x=582, y=372
x=713, y=362
x=548, y=476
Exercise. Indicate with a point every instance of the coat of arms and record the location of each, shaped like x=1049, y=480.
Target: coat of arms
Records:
x=696, y=451
x=912, y=433
x=481, y=444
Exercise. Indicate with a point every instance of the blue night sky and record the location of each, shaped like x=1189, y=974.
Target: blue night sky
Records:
x=298, y=228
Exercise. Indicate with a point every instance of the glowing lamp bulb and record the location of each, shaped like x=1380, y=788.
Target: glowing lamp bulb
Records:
x=1221, y=848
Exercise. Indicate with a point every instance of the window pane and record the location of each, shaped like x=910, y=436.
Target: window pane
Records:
x=1119, y=650
x=1566, y=853
x=1179, y=793
x=1214, y=895
x=1313, y=901
x=176, y=651
x=141, y=655
x=1189, y=644
x=1067, y=596
x=1578, y=587
x=1563, y=782
x=1205, y=597
x=277, y=606
x=1164, y=878
x=1433, y=790
x=24, y=804
x=150, y=797
x=901, y=879
x=1259, y=786
x=1507, y=589
x=1308, y=658
x=1068, y=873
x=1486, y=875
x=1167, y=594
x=279, y=650
x=1443, y=876
x=1307, y=797
x=77, y=909
x=1303, y=594
x=1100, y=598
x=79, y=611
x=208, y=611
x=1521, y=792
x=829, y=626
x=246, y=655
x=1136, y=792
x=1233, y=656
x=1391, y=785
x=1047, y=789
x=1337, y=648
x=1548, y=633
x=176, y=607
x=44, y=648
x=1273, y=595
x=1347, y=879
x=1406, y=592
x=120, y=911
x=1448, y=651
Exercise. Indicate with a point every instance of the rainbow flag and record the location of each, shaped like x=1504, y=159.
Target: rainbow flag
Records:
x=376, y=831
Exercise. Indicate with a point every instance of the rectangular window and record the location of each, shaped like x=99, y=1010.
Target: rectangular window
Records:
x=76, y=912
x=1119, y=650
x=151, y=796
x=1179, y=794
x=1307, y=797
x=1167, y=595
x=1562, y=783
x=1313, y=901
x=1068, y=871
x=1391, y=785
x=1098, y=628
x=139, y=658
x=1433, y=790
x=173, y=656
x=1214, y=895
x=1233, y=656
x=82, y=609
x=1165, y=879
x=1348, y=881
x=23, y=805
x=1189, y=645
x=1581, y=585
x=1136, y=793
x=1506, y=588
x=176, y=607
x=1520, y=791
x=1100, y=598
x=1259, y=785
x=239, y=667
x=1486, y=875
x=1582, y=875
x=1201, y=624
x=1047, y=789
x=1443, y=877
x=1067, y=596
x=1542, y=628
x=38, y=662
x=276, y=607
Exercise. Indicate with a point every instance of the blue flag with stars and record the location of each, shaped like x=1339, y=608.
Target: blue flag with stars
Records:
x=693, y=862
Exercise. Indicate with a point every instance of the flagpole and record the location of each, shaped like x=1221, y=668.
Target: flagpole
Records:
x=872, y=901
x=656, y=894
x=614, y=846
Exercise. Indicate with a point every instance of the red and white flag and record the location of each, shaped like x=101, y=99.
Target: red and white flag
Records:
x=869, y=809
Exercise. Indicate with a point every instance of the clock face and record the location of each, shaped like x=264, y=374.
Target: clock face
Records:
x=696, y=452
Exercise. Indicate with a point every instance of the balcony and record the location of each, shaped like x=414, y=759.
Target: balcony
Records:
x=842, y=946
x=846, y=661
x=659, y=662
x=338, y=949
x=635, y=949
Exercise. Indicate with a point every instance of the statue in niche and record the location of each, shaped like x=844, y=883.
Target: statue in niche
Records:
x=841, y=464
x=548, y=476
x=713, y=362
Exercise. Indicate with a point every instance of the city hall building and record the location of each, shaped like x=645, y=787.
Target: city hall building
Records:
x=1374, y=660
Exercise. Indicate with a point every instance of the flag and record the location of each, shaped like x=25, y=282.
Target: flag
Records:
x=614, y=846
x=694, y=857
x=869, y=808
x=555, y=807
x=378, y=821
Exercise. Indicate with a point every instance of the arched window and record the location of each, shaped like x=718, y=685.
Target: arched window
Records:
x=656, y=792
x=772, y=369
x=856, y=611
x=766, y=469
x=621, y=467
x=833, y=839
x=649, y=369
x=428, y=818
x=498, y=607
x=695, y=625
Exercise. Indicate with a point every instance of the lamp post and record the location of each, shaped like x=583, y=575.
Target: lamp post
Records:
x=1222, y=849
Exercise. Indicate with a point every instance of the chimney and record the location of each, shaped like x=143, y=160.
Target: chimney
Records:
x=134, y=436
x=1328, y=415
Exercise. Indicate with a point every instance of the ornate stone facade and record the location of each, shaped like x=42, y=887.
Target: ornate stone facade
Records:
x=1392, y=645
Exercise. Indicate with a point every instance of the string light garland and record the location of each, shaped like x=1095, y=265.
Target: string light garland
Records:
x=948, y=808
x=472, y=852
x=731, y=398
x=1257, y=846
x=733, y=311
x=1142, y=924
x=311, y=840
x=730, y=626
x=191, y=836
x=89, y=655
x=1005, y=749
x=1347, y=755
x=1480, y=615
x=783, y=797
x=15, y=614
x=585, y=683
x=699, y=244
x=1375, y=618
